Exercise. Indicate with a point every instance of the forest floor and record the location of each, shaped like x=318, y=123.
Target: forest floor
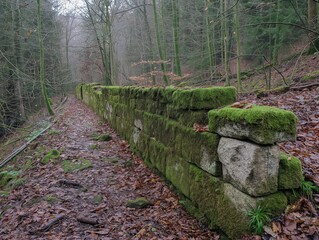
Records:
x=54, y=201
x=83, y=193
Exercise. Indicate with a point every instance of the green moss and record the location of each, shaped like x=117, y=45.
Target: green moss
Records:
x=140, y=202
x=177, y=172
x=93, y=147
x=52, y=199
x=290, y=172
x=275, y=203
x=101, y=137
x=8, y=176
x=97, y=199
x=264, y=117
x=193, y=210
x=204, y=98
x=54, y=132
x=81, y=164
x=311, y=75
x=52, y=154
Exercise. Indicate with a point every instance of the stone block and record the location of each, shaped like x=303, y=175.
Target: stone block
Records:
x=204, y=98
x=290, y=172
x=251, y=168
x=275, y=203
x=260, y=124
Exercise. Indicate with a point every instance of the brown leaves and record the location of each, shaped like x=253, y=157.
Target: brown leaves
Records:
x=301, y=222
x=200, y=128
x=102, y=191
x=243, y=105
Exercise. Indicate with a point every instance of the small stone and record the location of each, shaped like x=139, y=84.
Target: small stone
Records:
x=140, y=203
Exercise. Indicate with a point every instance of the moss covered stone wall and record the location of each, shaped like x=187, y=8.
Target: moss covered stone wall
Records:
x=158, y=124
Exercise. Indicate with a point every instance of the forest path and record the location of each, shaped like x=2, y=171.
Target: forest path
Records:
x=53, y=203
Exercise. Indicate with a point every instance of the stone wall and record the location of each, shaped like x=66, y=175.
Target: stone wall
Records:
x=223, y=173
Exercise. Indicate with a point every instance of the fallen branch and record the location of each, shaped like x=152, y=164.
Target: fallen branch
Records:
x=49, y=225
x=304, y=86
x=20, y=149
x=69, y=183
x=87, y=220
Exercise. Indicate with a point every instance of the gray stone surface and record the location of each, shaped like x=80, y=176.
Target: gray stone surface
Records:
x=252, y=133
x=251, y=168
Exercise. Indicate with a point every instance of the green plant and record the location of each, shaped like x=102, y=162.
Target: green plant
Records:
x=308, y=188
x=258, y=217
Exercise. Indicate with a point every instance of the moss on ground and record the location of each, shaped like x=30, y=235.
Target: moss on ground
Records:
x=53, y=154
x=311, y=75
x=290, y=172
x=78, y=165
x=52, y=199
x=266, y=118
x=101, y=137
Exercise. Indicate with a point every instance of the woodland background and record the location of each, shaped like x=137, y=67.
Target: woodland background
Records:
x=142, y=42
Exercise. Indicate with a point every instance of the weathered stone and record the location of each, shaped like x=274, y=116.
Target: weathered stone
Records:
x=274, y=203
x=249, y=167
x=290, y=172
x=140, y=202
x=260, y=124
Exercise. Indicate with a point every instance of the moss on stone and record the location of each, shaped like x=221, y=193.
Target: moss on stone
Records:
x=78, y=165
x=275, y=203
x=140, y=202
x=177, y=172
x=290, y=172
x=204, y=98
x=264, y=117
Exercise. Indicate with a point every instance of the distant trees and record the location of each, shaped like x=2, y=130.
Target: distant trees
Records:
x=208, y=38
x=20, y=88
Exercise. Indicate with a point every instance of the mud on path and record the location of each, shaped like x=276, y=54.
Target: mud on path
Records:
x=57, y=203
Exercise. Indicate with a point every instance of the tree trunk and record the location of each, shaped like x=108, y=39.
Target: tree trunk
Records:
x=239, y=85
x=159, y=46
x=177, y=67
x=226, y=46
x=313, y=24
x=42, y=80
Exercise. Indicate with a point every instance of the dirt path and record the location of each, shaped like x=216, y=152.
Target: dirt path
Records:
x=49, y=201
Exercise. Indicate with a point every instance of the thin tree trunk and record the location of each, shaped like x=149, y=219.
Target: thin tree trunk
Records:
x=42, y=80
x=313, y=24
x=177, y=67
x=149, y=38
x=159, y=46
x=18, y=55
x=277, y=34
x=209, y=44
x=226, y=41
x=239, y=85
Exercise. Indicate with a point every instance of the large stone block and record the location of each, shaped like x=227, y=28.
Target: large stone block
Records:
x=275, y=203
x=260, y=124
x=251, y=168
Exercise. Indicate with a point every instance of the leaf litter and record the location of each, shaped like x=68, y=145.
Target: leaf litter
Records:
x=90, y=203
x=301, y=221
